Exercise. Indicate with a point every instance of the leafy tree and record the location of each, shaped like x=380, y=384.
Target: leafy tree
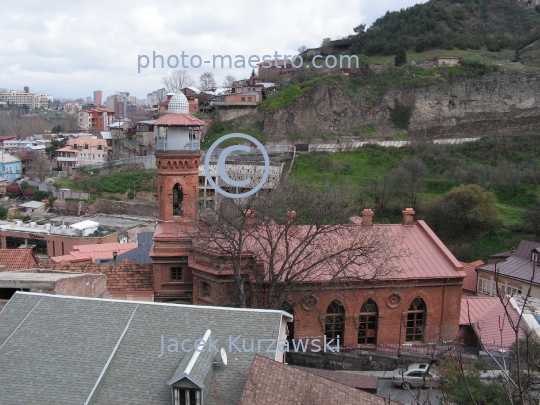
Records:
x=3, y=212
x=466, y=388
x=401, y=58
x=56, y=129
x=401, y=115
x=531, y=219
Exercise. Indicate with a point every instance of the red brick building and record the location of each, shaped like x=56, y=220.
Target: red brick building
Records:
x=419, y=304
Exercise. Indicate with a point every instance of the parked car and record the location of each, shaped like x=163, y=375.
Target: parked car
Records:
x=413, y=376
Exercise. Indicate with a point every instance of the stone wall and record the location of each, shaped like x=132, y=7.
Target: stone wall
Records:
x=124, y=208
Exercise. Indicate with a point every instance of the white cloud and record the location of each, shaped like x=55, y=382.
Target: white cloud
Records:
x=69, y=49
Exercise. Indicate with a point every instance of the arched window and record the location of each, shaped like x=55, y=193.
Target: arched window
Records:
x=178, y=198
x=335, y=321
x=367, y=326
x=416, y=321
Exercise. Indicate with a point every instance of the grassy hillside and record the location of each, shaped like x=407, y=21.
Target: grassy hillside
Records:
x=509, y=166
x=449, y=24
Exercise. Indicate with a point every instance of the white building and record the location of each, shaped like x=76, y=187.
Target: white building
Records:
x=32, y=100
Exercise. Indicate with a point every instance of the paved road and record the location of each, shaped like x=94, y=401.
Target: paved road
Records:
x=387, y=389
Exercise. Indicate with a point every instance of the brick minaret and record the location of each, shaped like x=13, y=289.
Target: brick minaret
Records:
x=178, y=184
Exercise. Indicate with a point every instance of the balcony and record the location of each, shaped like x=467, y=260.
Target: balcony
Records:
x=194, y=144
x=66, y=159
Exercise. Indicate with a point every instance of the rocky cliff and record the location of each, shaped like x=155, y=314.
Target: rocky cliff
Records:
x=507, y=101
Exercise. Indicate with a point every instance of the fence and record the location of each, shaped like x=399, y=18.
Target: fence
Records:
x=148, y=161
x=41, y=186
x=62, y=195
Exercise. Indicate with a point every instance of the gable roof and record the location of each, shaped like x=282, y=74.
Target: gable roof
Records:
x=469, y=282
x=270, y=382
x=108, y=351
x=141, y=254
x=93, y=252
x=518, y=266
x=18, y=259
x=488, y=318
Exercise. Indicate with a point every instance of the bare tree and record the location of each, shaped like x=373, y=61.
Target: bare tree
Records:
x=177, y=80
x=207, y=81
x=302, y=49
x=228, y=82
x=273, y=251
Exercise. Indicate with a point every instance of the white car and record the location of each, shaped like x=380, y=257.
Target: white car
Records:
x=414, y=376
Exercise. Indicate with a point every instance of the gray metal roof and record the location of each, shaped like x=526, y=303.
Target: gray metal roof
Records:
x=142, y=253
x=72, y=350
x=518, y=266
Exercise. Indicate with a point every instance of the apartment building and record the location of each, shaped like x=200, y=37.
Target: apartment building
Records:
x=96, y=118
x=84, y=150
x=32, y=100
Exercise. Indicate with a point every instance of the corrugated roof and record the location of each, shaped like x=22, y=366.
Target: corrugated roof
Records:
x=141, y=254
x=92, y=252
x=84, y=225
x=518, y=266
x=32, y=204
x=185, y=120
x=18, y=259
x=271, y=382
x=489, y=320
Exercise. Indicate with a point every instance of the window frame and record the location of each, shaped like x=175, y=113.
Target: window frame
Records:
x=174, y=271
x=416, y=321
x=366, y=318
x=334, y=322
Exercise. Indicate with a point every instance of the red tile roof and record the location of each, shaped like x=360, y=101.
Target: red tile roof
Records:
x=89, y=253
x=18, y=259
x=185, y=120
x=273, y=383
x=469, y=283
x=489, y=320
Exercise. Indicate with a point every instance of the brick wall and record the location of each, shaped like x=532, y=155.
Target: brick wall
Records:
x=125, y=276
x=90, y=285
x=124, y=208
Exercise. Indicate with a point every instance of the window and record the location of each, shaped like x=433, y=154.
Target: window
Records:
x=249, y=98
x=206, y=289
x=176, y=273
x=100, y=147
x=335, y=320
x=187, y=396
x=367, y=326
x=416, y=321
x=13, y=242
x=243, y=99
x=485, y=286
x=85, y=146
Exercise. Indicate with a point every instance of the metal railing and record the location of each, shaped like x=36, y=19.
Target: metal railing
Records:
x=194, y=144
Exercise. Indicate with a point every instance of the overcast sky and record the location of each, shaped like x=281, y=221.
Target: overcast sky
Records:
x=69, y=48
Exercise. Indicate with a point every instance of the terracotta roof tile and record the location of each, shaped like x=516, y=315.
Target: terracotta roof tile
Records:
x=271, y=382
x=18, y=259
x=92, y=252
x=469, y=283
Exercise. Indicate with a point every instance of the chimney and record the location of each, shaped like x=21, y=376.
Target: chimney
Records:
x=408, y=216
x=367, y=217
x=291, y=220
x=251, y=218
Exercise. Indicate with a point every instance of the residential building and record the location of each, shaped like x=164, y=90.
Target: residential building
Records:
x=98, y=98
x=51, y=239
x=156, y=97
x=96, y=118
x=3, y=185
x=129, y=352
x=513, y=275
x=29, y=144
x=10, y=167
x=32, y=100
x=81, y=151
x=279, y=67
x=483, y=324
x=145, y=135
x=448, y=61
x=32, y=206
x=271, y=382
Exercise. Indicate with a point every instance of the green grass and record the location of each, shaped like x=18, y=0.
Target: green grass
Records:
x=119, y=182
x=254, y=130
x=369, y=165
x=482, y=55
